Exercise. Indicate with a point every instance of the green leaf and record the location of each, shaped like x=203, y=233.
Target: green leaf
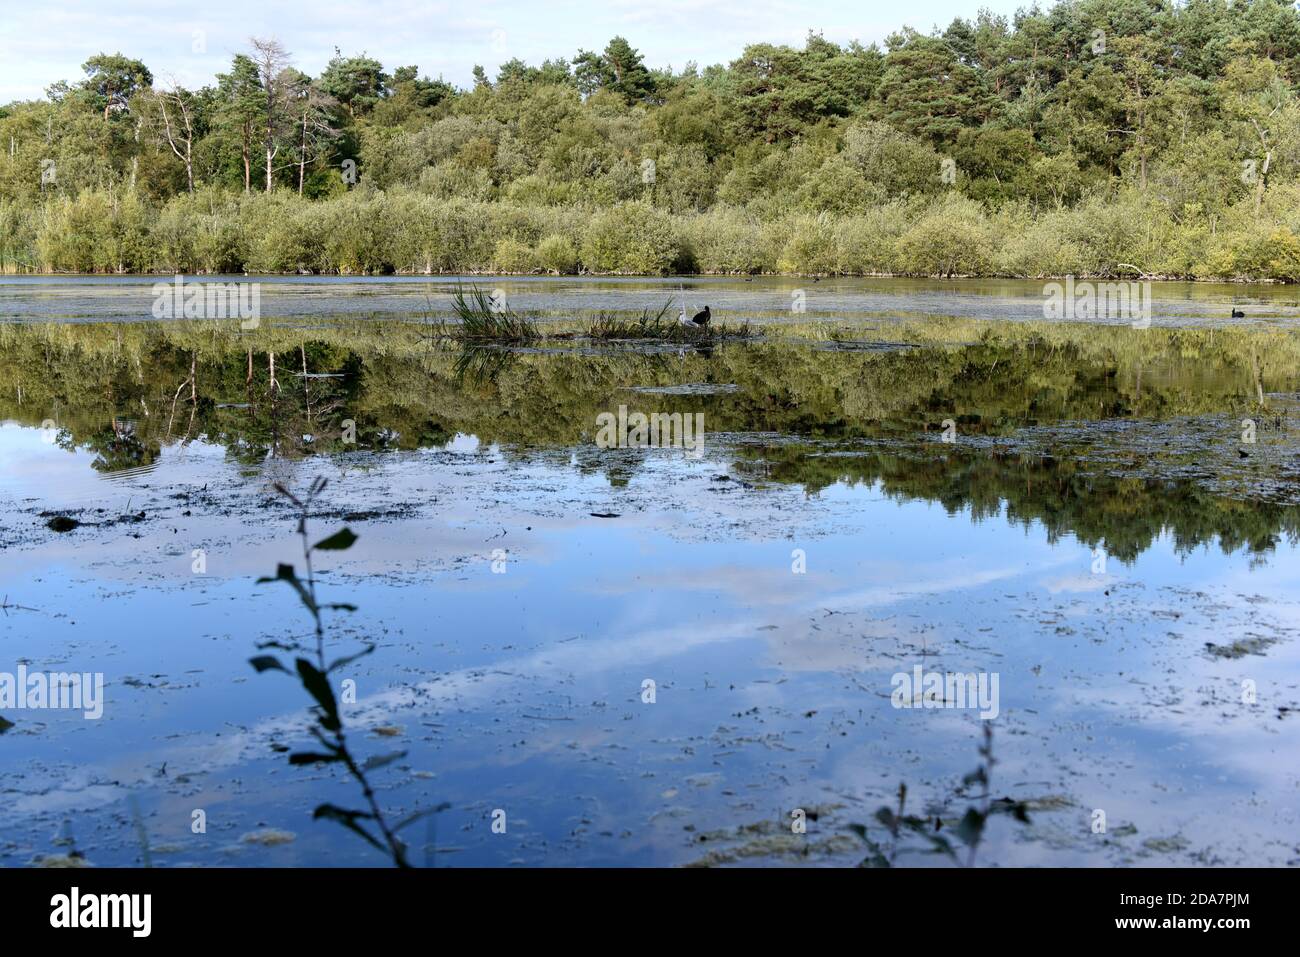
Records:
x=422, y=813
x=287, y=494
x=971, y=827
x=940, y=845
x=266, y=663
x=319, y=688
x=382, y=760
x=877, y=857
x=285, y=573
x=263, y=645
x=978, y=776
x=313, y=757
x=1017, y=809
x=339, y=663
x=349, y=820
x=338, y=542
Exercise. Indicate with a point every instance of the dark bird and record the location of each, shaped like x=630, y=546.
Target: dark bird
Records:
x=1238, y=314
x=702, y=317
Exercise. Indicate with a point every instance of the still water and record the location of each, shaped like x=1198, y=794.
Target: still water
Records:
x=640, y=656
x=129, y=298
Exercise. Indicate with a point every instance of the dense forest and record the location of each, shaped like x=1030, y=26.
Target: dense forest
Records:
x=1097, y=137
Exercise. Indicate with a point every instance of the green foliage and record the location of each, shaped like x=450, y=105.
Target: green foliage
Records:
x=557, y=254
x=512, y=256
x=112, y=80
x=95, y=232
x=1173, y=148
x=630, y=238
x=328, y=729
x=357, y=82
x=619, y=69
x=952, y=239
x=810, y=247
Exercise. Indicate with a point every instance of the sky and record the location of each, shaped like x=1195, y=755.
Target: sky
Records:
x=41, y=43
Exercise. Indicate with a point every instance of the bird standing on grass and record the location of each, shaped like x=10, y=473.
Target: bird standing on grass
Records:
x=702, y=317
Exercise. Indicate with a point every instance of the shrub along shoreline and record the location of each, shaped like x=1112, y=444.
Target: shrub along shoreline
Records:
x=401, y=231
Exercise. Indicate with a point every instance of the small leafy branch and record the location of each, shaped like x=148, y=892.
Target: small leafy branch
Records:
x=314, y=675
x=969, y=830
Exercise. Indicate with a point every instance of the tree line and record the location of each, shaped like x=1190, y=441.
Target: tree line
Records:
x=1100, y=137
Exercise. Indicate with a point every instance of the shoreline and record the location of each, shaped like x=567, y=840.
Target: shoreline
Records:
x=656, y=277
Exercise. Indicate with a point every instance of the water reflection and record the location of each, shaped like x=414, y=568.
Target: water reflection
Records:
x=1033, y=415
x=520, y=690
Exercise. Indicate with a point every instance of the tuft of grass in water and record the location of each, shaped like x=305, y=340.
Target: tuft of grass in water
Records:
x=435, y=329
x=484, y=320
x=968, y=830
x=608, y=326
x=314, y=674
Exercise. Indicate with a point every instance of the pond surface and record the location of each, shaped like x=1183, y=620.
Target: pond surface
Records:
x=656, y=656
x=130, y=298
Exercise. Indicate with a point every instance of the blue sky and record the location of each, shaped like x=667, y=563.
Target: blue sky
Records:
x=41, y=43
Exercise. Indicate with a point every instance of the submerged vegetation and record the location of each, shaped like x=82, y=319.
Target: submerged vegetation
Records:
x=1097, y=137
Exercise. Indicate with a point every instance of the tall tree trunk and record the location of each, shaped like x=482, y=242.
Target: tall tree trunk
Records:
x=1259, y=181
x=188, y=156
